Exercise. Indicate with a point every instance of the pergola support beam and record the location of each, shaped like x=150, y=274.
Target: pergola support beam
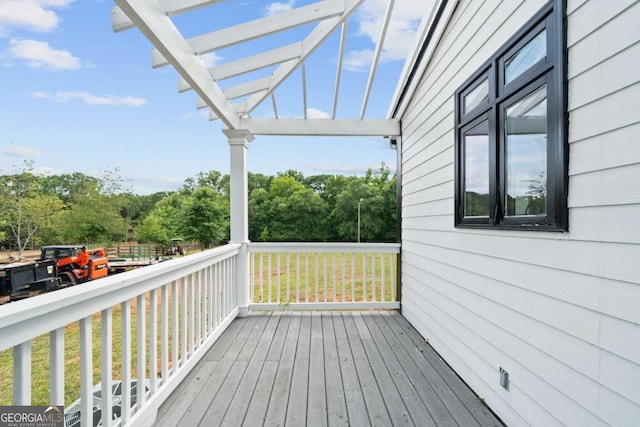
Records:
x=160, y=30
x=258, y=28
x=322, y=127
x=121, y=22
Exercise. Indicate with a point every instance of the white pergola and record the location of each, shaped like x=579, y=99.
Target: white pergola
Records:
x=263, y=73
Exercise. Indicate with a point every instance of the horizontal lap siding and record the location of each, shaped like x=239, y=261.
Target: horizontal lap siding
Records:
x=559, y=311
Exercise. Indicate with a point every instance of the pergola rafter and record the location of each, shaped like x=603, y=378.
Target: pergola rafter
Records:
x=250, y=82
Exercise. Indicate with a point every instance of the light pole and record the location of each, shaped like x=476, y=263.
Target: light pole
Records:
x=359, y=203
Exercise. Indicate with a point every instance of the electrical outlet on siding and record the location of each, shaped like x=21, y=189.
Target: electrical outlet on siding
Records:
x=504, y=379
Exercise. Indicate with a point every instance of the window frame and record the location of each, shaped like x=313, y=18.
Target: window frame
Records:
x=549, y=71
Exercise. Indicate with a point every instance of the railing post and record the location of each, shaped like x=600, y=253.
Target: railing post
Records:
x=239, y=140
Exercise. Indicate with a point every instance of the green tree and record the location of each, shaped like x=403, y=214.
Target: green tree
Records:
x=205, y=217
x=25, y=210
x=164, y=222
x=288, y=211
x=212, y=179
x=377, y=190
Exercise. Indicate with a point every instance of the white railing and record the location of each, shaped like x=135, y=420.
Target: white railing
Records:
x=305, y=276
x=188, y=303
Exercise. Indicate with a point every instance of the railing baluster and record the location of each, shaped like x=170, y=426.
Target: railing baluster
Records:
x=164, y=334
x=207, y=297
x=261, y=277
x=86, y=372
x=225, y=287
x=373, y=277
x=297, y=276
x=22, y=374
x=324, y=259
x=353, y=277
x=223, y=290
x=269, y=277
x=184, y=333
x=288, y=280
x=229, y=289
x=252, y=277
x=306, y=277
x=56, y=363
x=204, y=330
x=192, y=313
x=382, y=279
x=106, y=362
x=141, y=314
x=153, y=342
x=198, y=313
x=317, y=278
x=364, y=276
x=333, y=257
x=175, y=333
x=394, y=292
x=344, y=286
x=216, y=292
x=212, y=294
x=125, y=376
x=279, y=299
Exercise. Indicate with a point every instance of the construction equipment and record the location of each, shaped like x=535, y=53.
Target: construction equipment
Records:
x=77, y=264
x=22, y=280
x=176, y=248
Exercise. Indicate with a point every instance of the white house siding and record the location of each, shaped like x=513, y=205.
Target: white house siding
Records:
x=559, y=311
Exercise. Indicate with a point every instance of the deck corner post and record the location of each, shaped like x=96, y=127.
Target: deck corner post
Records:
x=239, y=140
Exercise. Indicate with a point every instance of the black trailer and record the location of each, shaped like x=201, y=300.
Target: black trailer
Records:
x=23, y=280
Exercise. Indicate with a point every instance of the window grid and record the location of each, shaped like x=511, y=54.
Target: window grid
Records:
x=538, y=202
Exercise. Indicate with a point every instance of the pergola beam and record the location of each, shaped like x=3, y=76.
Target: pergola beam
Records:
x=251, y=63
x=256, y=62
x=120, y=21
x=313, y=40
x=160, y=30
x=322, y=127
x=248, y=88
x=376, y=56
x=258, y=28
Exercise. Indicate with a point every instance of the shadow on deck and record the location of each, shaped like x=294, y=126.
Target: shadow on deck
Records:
x=323, y=368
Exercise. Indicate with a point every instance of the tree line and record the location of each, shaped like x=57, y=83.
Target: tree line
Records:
x=80, y=209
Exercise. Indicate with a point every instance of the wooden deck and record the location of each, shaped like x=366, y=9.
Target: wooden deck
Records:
x=325, y=369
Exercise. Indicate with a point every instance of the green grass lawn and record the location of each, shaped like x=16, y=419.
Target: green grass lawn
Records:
x=323, y=277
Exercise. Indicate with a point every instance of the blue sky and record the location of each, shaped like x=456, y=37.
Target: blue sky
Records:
x=77, y=97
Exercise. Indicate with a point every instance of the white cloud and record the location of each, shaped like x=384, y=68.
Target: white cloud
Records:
x=357, y=60
x=23, y=152
x=405, y=20
x=278, y=7
x=209, y=60
x=314, y=113
x=34, y=15
x=39, y=54
x=89, y=99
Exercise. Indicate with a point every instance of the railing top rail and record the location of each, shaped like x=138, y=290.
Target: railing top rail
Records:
x=24, y=320
x=324, y=247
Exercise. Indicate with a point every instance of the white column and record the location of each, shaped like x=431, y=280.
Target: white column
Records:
x=239, y=140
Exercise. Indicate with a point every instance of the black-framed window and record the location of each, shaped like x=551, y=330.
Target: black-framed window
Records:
x=511, y=132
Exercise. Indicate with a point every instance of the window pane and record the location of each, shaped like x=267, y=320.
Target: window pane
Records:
x=476, y=167
x=531, y=53
x=477, y=96
x=526, y=156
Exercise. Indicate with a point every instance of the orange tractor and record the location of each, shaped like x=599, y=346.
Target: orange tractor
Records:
x=77, y=264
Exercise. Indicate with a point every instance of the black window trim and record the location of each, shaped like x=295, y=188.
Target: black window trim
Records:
x=551, y=17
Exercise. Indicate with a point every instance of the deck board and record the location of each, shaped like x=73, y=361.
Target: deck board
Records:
x=323, y=369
